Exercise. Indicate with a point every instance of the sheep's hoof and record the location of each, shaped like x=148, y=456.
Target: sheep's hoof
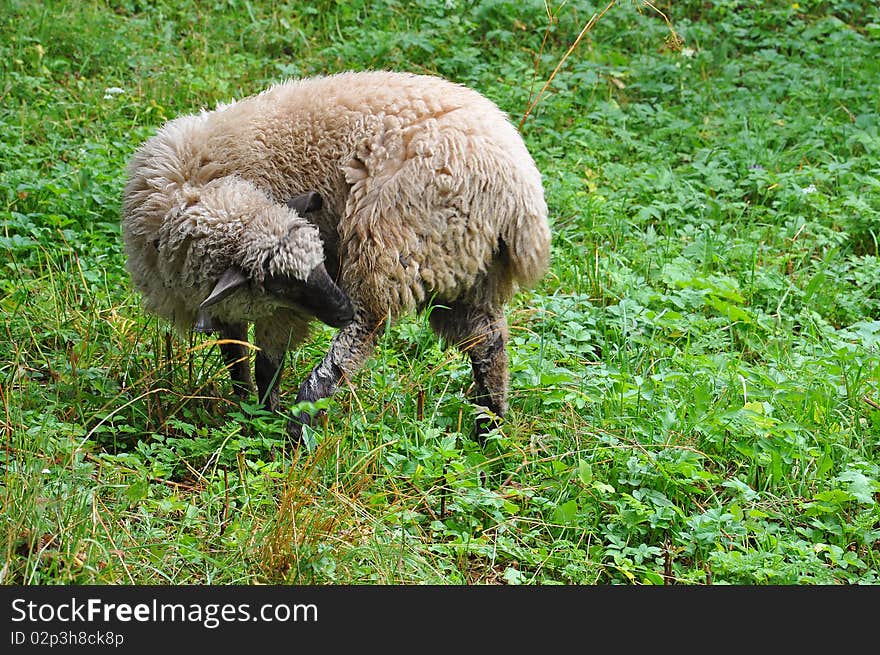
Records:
x=296, y=424
x=242, y=391
x=295, y=429
x=483, y=425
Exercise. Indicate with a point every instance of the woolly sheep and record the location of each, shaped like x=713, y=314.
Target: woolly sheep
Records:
x=430, y=198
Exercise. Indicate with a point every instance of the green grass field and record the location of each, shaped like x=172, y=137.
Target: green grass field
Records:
x=694, y=385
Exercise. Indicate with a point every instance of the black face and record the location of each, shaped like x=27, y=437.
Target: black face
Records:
x=318, y=296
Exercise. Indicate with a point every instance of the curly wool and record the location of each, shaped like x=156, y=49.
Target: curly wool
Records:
x=423, y=181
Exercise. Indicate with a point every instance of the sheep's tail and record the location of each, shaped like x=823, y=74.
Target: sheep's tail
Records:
x=528, y=245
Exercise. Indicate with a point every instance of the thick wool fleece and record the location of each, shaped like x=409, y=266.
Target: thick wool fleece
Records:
x=184, y=225
x=424, y=182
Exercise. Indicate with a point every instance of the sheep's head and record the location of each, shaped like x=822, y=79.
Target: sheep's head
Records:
x=313, y=292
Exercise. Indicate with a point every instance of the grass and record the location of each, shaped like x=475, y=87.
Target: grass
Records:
x=694, y=384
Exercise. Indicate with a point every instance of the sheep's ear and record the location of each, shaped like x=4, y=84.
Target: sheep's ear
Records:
x=232, y=279
x=310, y=201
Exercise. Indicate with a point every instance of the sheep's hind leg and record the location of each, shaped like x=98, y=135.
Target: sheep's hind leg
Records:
x=349, y=349
x=482, y=334
x=237, y=358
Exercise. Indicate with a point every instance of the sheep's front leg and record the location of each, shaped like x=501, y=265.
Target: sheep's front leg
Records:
x=237, y=358
x=349, y=349
x=482, y=334
x=267, y=370
x=272, y=343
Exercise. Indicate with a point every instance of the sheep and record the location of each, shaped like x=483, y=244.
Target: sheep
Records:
x=429, y=199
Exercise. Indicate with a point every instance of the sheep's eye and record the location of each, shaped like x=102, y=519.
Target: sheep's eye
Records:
x=285, y=288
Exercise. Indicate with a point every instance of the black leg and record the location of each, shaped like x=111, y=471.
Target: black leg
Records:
x=489, y=364
x=482, y=334
x=237, y=358
x=267, y=369
x=273, y=337
x=349, y=349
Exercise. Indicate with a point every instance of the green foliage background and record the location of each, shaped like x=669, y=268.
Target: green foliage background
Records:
x=694, y=383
